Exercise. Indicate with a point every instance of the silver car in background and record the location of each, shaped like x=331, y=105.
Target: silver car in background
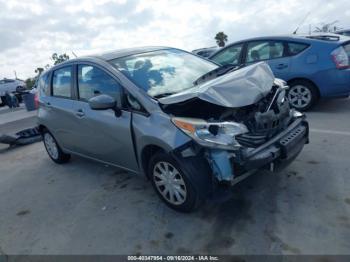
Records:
x=11, y=86
x=192, y=127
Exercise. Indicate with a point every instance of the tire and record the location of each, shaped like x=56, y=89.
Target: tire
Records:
x=302, y=95
x=175, y=190
x=53, y=149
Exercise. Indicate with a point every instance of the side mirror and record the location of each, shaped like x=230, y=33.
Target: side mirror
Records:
x=103, y=102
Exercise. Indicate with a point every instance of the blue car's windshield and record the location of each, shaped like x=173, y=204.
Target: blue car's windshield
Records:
x=163, y=72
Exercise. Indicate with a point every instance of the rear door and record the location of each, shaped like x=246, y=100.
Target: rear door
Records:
x=99, y=133
x=273, y=52
x=59, y=106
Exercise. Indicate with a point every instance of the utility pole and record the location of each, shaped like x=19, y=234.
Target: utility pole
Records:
x=15, y=74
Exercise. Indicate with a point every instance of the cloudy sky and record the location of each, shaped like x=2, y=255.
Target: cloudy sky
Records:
x=31, y=30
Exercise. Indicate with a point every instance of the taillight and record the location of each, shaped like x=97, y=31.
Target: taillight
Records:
x=340, y=58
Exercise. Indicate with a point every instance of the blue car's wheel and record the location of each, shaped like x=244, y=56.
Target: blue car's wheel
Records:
x=302, y=95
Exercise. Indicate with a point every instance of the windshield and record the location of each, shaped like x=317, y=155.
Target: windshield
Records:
x=163, y=72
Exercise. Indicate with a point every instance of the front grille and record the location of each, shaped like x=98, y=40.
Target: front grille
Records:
x=264, y=126
x=251, y=140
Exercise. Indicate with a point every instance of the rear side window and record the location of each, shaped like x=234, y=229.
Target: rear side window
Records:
x=296, y=48
x=62, y=82
x=43, y=85
x=230, y=55
x=93, y=81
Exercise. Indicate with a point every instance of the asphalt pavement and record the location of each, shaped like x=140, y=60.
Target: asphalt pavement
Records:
x=85, y=207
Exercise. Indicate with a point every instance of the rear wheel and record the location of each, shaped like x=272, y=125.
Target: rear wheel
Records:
x=172, y=185
x=302, y=95
x=53, y=149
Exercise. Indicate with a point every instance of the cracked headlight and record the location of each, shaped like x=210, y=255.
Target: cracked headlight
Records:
x=211, y=134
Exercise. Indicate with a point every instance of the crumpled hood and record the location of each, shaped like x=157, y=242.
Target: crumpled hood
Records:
x=239, y=88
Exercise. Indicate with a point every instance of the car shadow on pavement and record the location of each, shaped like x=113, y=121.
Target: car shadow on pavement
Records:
x=4, y=148
x=221, y=226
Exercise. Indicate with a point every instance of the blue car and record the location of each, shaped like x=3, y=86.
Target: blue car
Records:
x=314, y=66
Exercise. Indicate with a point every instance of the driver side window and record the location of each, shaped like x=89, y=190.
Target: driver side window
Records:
x=230, y=55
x=93, y=81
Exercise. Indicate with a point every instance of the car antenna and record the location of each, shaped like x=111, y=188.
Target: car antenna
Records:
x=74, y=54
x=302, y=22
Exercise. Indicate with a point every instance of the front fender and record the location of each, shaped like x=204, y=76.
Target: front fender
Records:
x=157, y=130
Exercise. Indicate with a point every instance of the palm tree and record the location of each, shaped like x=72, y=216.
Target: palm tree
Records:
x=221, y=38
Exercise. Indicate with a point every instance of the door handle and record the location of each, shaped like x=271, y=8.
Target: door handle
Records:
x=281, y=66
x=80, y=113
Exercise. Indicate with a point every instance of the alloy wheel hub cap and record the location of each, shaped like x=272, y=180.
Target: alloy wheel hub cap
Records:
x=169, y=183
x=51, y=146
x=299, y=96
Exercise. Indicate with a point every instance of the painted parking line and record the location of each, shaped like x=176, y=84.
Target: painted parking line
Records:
x=330, y=132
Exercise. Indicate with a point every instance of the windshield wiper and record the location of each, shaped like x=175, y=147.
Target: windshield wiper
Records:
x=216, y=72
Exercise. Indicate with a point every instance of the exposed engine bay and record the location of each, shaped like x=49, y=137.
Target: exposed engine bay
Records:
x=260, y=122
x=263, y=119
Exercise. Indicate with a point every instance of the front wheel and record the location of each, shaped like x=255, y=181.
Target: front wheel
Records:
x=172, y=185
x=53, y=149
x=302, y=95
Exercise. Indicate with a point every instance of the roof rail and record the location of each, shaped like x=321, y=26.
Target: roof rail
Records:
x=324, y=37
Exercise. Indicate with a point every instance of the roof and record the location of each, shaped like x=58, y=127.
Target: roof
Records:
x=295, y=37
x=127, y=51
x=111, y=55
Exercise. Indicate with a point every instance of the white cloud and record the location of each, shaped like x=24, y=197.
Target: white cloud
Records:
x=31, y=31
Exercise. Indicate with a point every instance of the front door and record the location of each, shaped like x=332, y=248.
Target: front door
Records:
x=100, y=134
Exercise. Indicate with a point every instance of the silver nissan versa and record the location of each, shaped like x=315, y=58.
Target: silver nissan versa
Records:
x=192, y=127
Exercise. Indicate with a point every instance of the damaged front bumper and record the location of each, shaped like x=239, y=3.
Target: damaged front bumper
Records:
x=275, y=154
x=278, y=151
x=228, y=167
